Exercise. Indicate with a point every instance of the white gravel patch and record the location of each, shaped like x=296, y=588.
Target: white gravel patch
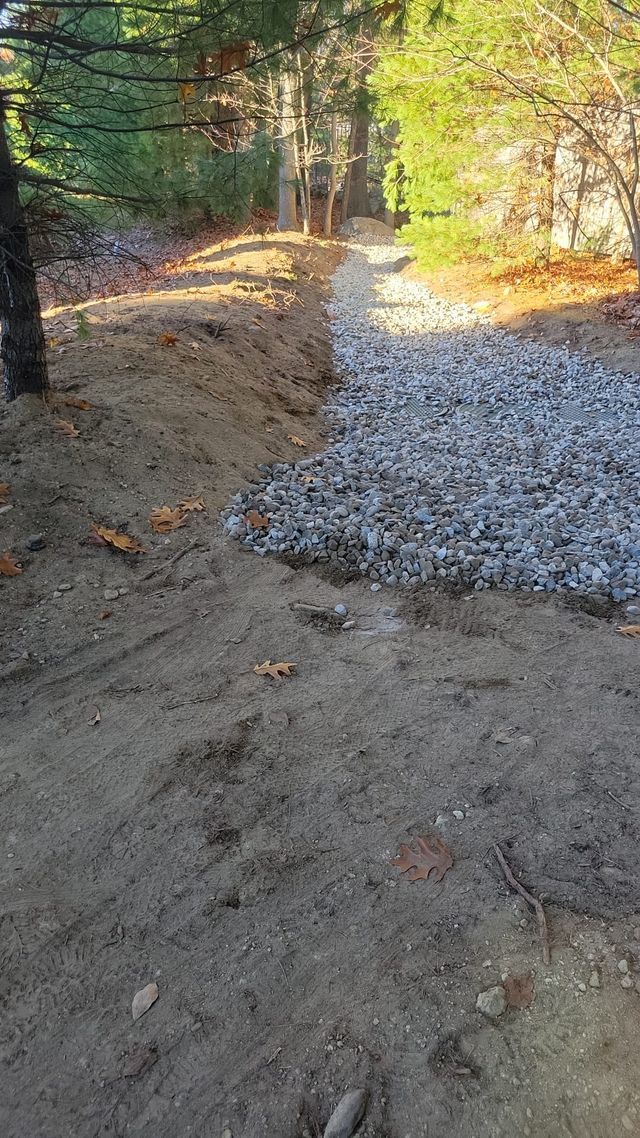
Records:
x=459, y=451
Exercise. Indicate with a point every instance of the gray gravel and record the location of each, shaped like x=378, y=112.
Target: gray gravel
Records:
x=458, y=451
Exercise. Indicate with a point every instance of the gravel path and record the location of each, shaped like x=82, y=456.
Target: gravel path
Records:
x=459, y=451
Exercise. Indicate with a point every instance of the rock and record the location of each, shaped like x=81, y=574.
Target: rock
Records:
x=492, y=1002
x=459, y=814
x=594, y=979
x=341, y=610
x=35, y=542
x=581, y=986
x=347, y=1114
x=623, y=966
x=627, y=982
x=56, y=593
x=375, y=588
x=348, y=624
x=111, y=594
x=441, y=820
x=401, y=263
x=365, y=227
x=65, y=587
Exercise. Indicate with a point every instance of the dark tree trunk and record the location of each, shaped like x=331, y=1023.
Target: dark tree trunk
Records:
x=356, y=197
x=23, y=347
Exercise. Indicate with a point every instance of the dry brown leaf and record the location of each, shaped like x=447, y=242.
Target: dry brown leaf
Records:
x=143, y=1000
x=297, y=442
x=628, y=629
x=519, y=990
x=66, y=428
x=139, y=1062
x=74, y=401
x=276, y=671
x=95, y=718
x=436, y=857
x=121, y=541
x=9, y=567
x=5, y=490
x=256, y=520
x=163, y=519
x=168, y=339
x=309, y=477
x=191, y=504
x=53, y=342
x=104, y=615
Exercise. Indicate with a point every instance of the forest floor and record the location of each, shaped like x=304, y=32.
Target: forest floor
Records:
x=170, y=817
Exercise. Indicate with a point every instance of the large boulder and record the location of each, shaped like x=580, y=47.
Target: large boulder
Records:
x=365, y=227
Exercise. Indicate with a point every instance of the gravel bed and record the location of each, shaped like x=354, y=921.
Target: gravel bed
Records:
x=458, y=451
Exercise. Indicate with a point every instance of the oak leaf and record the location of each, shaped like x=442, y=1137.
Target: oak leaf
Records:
x=191, y=504
x=276, y=671
x=297, y=442
x=121, y=541
x=66, y=428
x=418, y=865
x=5, y=490
x=256, y=520
x=628, y=629
x=163, y=519
x=9, y=567
x=519, y=990
x=168, y=339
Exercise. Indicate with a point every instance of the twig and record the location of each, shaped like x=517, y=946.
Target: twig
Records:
x=197, y=699
x=172, y=560
x=531, y=900
x=624, y=805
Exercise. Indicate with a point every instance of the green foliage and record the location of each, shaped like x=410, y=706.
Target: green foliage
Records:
x=442, y=241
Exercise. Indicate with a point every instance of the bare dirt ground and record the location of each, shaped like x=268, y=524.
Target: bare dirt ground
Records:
x=229, y=837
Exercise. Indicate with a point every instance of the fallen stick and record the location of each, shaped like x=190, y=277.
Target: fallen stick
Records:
x=171, y=561
x=531, y=900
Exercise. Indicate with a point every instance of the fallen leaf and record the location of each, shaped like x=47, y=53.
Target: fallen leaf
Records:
x=268, y=430
x=296, y=441
x=419, y=865
x=519, y=990
x=5, y=490
x=95, y=718
x=143, y=1000
x=163, y=519
x=103, y=536
x=186, y=91
x=628, y=629
x=139, y=1062
x=104, y=615
x=276, y=671
x=190, y=504
x=66, y=428
x=74, y=401
x=9, y=567
x=309, y=477
x=53, y=342
x=256, y=520
x=168, y=339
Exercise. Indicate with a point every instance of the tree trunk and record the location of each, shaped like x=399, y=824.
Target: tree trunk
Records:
x=287, y=217
x=546, y=201
x=356, y=196
x=333, y=178
x=23, y=347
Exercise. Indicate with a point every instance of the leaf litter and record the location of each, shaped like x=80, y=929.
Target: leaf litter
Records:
x=9, y=567
x=630, y=630
x=256, y=520
x=276, y=671
x=65, y=427
x=163, y=519
x=101, y=535
x=418, y=865
x=519, y=990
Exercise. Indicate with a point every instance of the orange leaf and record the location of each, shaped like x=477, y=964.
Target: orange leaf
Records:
x=628, y=629
x=120, y=541
x=66, y=428
x=296, y=441
x=74, y=401
x=519, y=990
x=163, y=519
x=419, y=865
x=168, y=339
x=256, y=520
x=104, y=615
x=186, y=91
x=5, y=490
x=9, y=567
x=191, y=504
x=276, y=671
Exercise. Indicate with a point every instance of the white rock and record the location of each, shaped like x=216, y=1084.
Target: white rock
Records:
x=492, y=1002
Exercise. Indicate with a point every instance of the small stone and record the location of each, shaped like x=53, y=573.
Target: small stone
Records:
x=122, y=591
x=65, y=587
x=347, y=1114
x=594, y=979
x=111, y=594
x=626, y=982
x=341, y=610
x=627, y=1123
x=493, y=1002
x=348, y=624
x=459, y=814
x=226, y=1133
x=623, y=966
x=441, y=820
x=35, y=542
x=581, y=986
x=375, y=588
x=633, y=610
x=56, y=593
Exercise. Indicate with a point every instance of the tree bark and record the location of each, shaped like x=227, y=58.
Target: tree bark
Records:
x=23, y=346
x=333, y=178
x=546, y=201
x=356, y=198
x=287, y=216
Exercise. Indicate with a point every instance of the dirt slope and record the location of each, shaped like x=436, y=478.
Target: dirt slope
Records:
x=229, y=836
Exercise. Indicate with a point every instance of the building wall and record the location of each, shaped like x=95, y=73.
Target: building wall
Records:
x=586, y=213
